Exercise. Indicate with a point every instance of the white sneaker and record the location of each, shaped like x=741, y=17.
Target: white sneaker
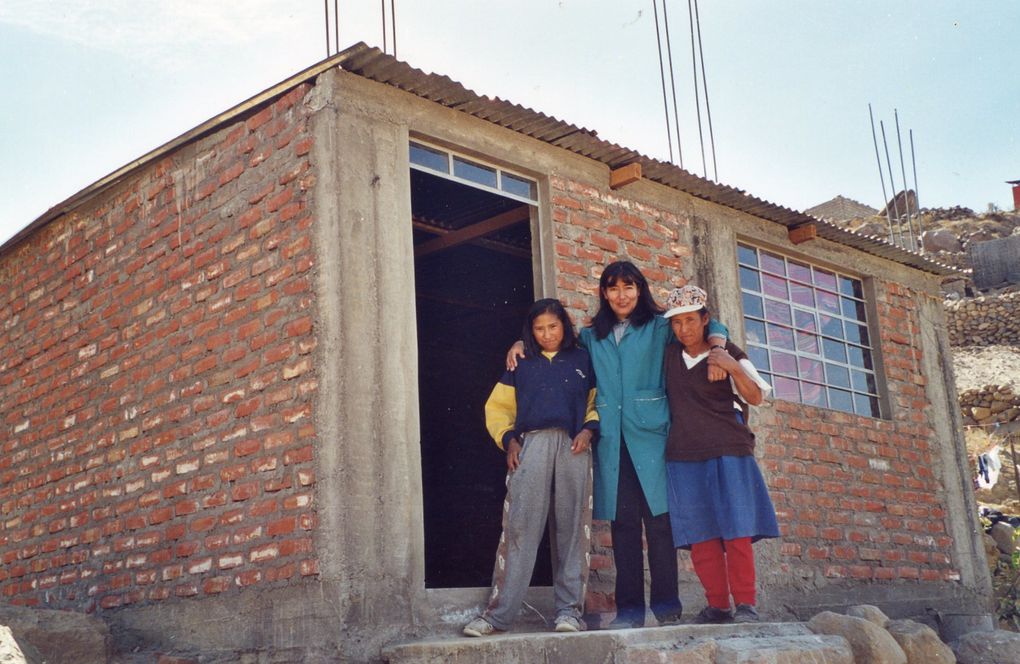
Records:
x=479, y=627
x=566, y=623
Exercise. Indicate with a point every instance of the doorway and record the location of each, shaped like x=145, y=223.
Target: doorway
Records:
x=474, y=283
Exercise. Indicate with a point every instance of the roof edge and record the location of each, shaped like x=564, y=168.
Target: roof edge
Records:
x=207, y=127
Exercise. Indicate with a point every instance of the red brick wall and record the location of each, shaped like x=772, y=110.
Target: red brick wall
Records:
x=856, y=497
x=156, y=379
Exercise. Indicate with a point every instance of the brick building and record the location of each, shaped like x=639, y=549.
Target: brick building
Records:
x=241, y=378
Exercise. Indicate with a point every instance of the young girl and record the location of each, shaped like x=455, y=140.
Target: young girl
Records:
x=718, y=502
x=543, y=415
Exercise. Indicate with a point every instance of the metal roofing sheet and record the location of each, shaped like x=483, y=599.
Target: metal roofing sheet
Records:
x=375, y=65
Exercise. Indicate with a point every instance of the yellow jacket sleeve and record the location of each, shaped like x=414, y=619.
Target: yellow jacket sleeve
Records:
x=501, y=413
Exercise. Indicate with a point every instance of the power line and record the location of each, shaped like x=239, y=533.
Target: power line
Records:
x=697, y=100
x=704, y=85
x=662, y=77
x=672, y=83
x=325, y=8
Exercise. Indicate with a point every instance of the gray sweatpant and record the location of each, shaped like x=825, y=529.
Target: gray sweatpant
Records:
x=550, y=483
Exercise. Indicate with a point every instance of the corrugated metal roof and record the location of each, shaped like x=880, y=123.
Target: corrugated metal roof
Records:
x=375, y=65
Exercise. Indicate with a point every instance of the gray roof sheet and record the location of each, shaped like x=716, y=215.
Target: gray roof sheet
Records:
x=373, y=64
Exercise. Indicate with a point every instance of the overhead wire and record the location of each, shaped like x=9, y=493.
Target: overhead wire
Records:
x=325, y=7
x=697, y=100
x=672, y=84
x=704, y=85
x=662, y=77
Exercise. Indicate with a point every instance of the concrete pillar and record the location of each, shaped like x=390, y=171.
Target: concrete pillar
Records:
x=369, y=539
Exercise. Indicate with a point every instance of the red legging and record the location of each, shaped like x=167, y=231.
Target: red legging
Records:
x=725, y=568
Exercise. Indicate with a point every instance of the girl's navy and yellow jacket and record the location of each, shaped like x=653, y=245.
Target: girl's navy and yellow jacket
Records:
x=551, y=391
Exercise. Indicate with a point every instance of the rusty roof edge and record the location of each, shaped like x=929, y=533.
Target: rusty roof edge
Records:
x=193, y=134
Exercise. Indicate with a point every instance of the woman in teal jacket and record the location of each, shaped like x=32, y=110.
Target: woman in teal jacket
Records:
x=627, y=342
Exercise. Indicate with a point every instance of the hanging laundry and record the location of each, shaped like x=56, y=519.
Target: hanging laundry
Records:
x=989, y=466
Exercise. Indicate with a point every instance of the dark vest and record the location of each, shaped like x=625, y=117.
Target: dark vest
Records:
x=703, y=422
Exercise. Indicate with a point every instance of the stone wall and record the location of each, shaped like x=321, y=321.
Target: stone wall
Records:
x=990, y=404
x=984, y=320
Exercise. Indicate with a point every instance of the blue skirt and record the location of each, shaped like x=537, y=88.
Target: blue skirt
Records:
x=725, y=497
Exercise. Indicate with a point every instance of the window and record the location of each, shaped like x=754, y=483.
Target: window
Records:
x=474, y=173
x=807, y=332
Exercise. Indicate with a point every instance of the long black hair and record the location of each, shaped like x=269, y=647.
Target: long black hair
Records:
x=645, y=310
x=547, y=306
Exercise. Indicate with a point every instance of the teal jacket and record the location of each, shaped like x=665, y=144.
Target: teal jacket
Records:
x=631, y=402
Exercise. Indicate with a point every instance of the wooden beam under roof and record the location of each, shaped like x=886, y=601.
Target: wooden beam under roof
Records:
x=474, y=231
x=499, y=246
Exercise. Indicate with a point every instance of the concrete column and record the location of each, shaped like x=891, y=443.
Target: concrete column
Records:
x=953, y=472
x=370, y=537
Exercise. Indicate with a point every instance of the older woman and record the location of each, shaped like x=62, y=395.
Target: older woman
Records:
x=718, y=501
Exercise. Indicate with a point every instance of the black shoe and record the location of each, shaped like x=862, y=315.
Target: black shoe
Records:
x=625, y=622
x=713, y=616
x=745, y=613
x=671, y=618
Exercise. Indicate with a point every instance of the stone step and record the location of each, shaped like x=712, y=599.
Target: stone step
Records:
x=630, y=646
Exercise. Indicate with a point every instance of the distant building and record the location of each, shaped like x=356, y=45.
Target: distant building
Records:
x=242, y=378
x=841, y=209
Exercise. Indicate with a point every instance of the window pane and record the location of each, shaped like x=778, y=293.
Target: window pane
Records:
x=800, y=272
x=852, y=308
x=755, y=331
x=859, y=357
x=832, y=327
x=429, y=158
x=856, y=333
x=474, y=172
x=834, y=350
x=780, y=337
x=759, y=357
x=811, y=369
x=778, y=312
x=775, y=286
x=814, y=394
x=807, y=331
x=518, y=186
x=864, y=382
x=785, y=388
x=747, y=255
x=851, y=287
x=801, y=294
x=749, y=279
x=841, y=400
x=837, y=375
x=828, y=302
x=753, y=306
x=807, y=343
x=804, y=320
x=772, y=263
x=825, y=279
x=784, y=363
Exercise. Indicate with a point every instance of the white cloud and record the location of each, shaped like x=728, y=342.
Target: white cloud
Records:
x=165, y=33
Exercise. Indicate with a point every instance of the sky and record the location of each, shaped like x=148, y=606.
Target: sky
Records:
x=87, y=86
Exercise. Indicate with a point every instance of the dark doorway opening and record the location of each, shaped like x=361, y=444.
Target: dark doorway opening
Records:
x=474, y=283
